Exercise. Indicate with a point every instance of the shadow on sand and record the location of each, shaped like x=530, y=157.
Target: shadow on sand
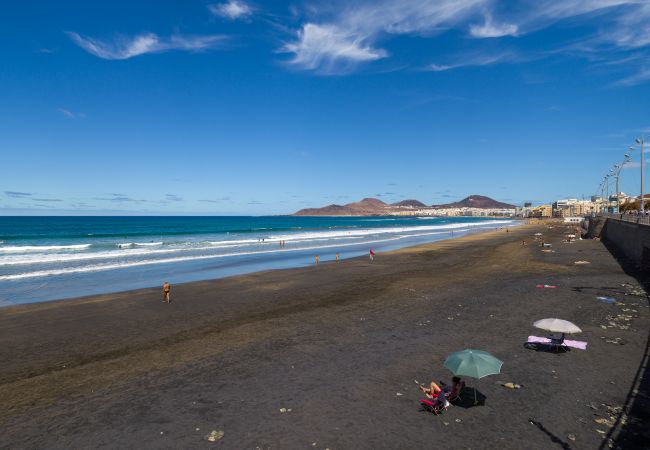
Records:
x=631, y=430
x=565, y=445
x=466, y=399
x=541, y=347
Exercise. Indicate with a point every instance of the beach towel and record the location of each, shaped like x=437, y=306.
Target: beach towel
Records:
x=546, y=286
x=575, y=344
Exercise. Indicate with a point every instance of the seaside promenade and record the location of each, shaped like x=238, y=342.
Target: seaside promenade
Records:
x=328, y=356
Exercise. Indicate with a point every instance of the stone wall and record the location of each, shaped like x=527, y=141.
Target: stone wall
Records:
x=631, y=239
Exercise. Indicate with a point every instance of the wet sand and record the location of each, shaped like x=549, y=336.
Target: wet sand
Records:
x=339, y=347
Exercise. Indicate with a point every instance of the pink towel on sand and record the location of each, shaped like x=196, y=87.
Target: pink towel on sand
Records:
x=575, y=344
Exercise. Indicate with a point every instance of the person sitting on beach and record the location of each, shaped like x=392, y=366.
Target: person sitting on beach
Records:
x=450, y=391
x=557, y=339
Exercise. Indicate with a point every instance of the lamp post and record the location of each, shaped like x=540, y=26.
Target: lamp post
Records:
x=618, y=168
x=641, y=141
x=607, y=190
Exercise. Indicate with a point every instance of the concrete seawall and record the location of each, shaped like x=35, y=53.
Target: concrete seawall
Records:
x=631, y=239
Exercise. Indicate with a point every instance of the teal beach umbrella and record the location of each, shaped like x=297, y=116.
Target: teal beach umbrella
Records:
x=473, y=363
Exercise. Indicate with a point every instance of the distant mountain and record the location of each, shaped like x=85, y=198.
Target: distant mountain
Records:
x=476, y=201
x=410, y=203
x=368, y=204
x=329, y=210
x=375, y=207
x=365, y=207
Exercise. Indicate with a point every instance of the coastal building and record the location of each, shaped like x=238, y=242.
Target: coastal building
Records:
x=572, y=207
x=542, y=211
x=524, y=211
x=456, y=212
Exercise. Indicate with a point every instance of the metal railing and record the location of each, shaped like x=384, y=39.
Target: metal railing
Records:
x=634, y=218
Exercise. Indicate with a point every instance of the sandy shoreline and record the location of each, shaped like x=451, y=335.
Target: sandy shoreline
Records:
x=335, y=344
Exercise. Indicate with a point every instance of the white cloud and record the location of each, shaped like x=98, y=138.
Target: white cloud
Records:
x=349, y=36
x=232, y=10
x=354, y=31
x=439, y=67
x=322, y=46
x=641, y=76
x=476, y=60
x=631, y=30
x=128, y=47
x=69, y=114
x=492, y=30
x=556, y=10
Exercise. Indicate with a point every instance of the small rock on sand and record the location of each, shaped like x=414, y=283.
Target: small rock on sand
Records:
x=509, y=385
x=215, y=435
x=283, y=410
x=571, y=437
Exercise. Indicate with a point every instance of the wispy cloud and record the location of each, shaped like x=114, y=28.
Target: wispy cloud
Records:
x=120, y=198
x=232, y=10
x=337, y=39
x=476, y=60
x=125, y=47
x=641, y=76
x=70, y=114
x=81, y=205
x=490, y=29
x=324, y=47
x=46, y=199
x=348, y=37
x=16, y=194
x=173, y=198
x=219, y=200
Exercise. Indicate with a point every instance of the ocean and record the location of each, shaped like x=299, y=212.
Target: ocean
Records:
x=50, y=258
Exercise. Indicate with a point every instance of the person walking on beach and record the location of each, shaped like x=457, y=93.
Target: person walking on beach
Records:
x=371, y=255
x=338, y=257
x=166, y=288
x=316, y=259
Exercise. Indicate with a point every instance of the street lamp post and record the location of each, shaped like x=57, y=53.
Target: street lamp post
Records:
x=607, y=190
x=641, y=141
x=617, y=172
x=618, y=168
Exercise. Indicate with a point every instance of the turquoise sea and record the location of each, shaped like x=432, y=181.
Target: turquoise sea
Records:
x=47, y=258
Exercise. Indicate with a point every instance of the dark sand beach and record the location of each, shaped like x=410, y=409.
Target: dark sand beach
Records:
x=338, y=347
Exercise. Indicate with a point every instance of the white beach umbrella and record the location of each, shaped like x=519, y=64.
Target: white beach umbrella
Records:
x=557, y=326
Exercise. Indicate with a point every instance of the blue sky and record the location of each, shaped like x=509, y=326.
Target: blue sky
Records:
x=237, y=107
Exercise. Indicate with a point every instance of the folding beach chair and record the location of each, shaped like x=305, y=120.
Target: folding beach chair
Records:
x=455, y=396
x=435, y=405
x=557, y=343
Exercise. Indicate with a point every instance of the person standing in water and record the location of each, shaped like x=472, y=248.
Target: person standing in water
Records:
x=338, y=257
x=316, y=259
x=166, y=288
x=371, y=255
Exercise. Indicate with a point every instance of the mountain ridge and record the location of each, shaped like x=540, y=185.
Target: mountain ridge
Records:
x=374, y=207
